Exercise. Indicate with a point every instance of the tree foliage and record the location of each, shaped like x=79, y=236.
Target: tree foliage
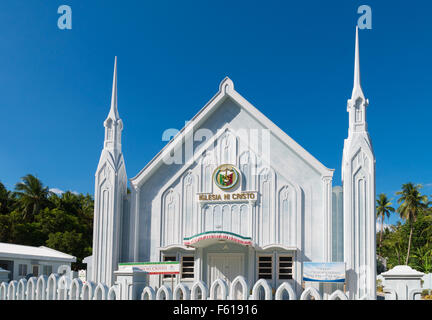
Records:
x=383, y=210
x=409, y=242
x=32, y=215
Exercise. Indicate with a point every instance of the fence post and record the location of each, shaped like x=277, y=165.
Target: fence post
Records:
x=131, y=282
x=402, y=279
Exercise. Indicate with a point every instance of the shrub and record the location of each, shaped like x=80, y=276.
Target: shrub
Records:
x=426, y=294
x=380, y=287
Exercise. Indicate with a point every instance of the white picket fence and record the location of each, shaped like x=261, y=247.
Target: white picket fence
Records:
x=56, y=287
x=238, y=290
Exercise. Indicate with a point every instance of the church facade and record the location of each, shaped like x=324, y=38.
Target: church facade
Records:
x=232, y=194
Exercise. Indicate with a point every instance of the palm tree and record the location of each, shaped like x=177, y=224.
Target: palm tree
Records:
x=31, y=196
x=383, y=209
x=412, y=203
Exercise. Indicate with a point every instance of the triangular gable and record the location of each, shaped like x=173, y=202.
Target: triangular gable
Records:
x=226, y=89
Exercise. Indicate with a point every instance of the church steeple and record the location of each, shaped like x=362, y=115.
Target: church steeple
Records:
x=357, y=89
x=113, y=114
x=110, y=193
x=358, y=182
x=113, y=124
x=357, y=104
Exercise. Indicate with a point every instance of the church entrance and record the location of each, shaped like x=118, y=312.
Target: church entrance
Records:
x=225, y=266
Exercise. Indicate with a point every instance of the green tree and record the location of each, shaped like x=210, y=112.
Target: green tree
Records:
x=423, y=256
x=81, y=207
x=383, y=209
x=32, y=196
x=393, y=245
x=7, y=200
x=427, y=232
x=5, y=228
x=411, y=205
x=70, y=242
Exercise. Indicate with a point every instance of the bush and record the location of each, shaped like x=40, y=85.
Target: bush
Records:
x=380, y=287
x=425, y=293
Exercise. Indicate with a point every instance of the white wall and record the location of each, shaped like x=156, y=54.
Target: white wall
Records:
x=30, y=263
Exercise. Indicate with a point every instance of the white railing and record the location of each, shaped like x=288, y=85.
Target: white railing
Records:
x=238, y=290
x=56, y=287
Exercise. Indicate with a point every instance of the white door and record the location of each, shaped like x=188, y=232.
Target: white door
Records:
x=225, y=266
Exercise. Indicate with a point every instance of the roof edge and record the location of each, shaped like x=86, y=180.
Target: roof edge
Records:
x=226, y=89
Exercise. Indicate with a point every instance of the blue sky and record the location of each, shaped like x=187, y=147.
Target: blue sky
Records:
x=292, y=60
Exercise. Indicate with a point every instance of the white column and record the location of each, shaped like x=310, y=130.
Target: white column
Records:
x=327, y=197
x=137, y=223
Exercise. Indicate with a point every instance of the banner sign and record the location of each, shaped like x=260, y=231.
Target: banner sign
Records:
x=324, y=271
x=168, y=267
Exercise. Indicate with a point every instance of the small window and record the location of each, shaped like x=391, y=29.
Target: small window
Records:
x=265, y=267
x=285, y=267
x=22, y=270
x=35, y=270
x=188, y=264
x=358, y=115
x=169, y=258
x=47, y=270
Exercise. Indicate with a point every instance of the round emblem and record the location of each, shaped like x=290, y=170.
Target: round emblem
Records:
x=226, y=176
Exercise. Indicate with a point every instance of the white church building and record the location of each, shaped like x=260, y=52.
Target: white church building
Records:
x=232, y=194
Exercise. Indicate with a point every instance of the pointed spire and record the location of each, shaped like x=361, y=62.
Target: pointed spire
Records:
x=357, y=89
x=113, y=111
